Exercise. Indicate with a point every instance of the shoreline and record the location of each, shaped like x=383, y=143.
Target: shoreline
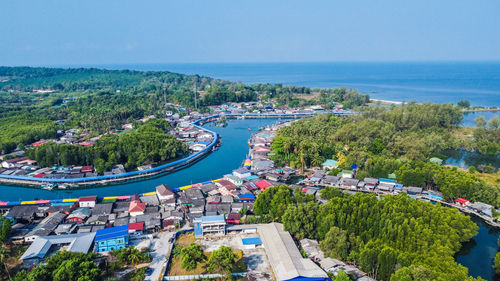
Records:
x=81, y=183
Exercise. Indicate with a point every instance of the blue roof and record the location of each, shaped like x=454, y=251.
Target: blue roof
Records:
x=213, y=218
x=204, y=142
x=252, y=177
x=249, y=195
x=387, y=180
x=112, y=232
x=251, y=241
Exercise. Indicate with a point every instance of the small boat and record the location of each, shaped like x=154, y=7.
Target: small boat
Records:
x=49, y=186
x=249, y=129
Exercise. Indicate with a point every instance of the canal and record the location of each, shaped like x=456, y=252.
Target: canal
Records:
x=477, y=255
x=228, y=157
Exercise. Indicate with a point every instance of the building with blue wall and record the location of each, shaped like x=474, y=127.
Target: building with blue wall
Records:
x=112, y=238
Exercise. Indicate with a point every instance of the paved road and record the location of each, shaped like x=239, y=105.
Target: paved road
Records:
x=161, y=249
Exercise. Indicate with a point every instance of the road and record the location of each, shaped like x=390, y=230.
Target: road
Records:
x=161, y=249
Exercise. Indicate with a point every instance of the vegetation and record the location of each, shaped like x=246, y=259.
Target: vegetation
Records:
x=131, y=256
x=387, y=238
x=147, y=144
x=98, y=101
x=64, y=266
x=222, y=261
x=400, y=140
x=191, y=256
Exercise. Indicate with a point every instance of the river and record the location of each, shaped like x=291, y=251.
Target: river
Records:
x=477, y=255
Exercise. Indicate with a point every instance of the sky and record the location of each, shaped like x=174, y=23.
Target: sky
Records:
x=71, y=32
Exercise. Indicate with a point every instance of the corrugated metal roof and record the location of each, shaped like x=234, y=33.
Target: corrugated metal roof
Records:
x=112, y=232
x=79, y=243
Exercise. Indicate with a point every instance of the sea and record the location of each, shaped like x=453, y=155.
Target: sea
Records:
x=437, y=82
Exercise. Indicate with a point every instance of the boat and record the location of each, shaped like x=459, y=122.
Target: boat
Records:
x=49, y=186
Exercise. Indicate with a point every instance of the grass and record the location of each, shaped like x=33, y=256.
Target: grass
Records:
x=183, y=241
x=493, y=178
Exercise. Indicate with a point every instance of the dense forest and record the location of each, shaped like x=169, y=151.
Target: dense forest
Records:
x=98, y=101
x=391, y=238
x=145, y=145
x=400, y=140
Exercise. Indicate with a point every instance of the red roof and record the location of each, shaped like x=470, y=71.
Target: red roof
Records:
x=263, y=184
x=41, y=175
x=87, y=198
x=84, y=143
x=462, y=200
x=136, y=206
x=87, y=169
x=164, y=190
x=227, y=184
x=166, y=223
x=234, y=216
x=136, y=226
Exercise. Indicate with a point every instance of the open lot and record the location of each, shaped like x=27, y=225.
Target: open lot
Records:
x=254, y=261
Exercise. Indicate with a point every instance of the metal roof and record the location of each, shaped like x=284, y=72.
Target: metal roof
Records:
x=112, y=232
x=79, y=243
x=284, y=256
x=251, y=241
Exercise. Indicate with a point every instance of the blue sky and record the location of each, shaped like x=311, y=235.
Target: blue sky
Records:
x=70, y=32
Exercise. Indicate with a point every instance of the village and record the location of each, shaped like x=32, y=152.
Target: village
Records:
x=212, y=210
x=17, y=168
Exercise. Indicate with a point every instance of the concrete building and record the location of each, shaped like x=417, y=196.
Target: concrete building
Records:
x=164, y=193
x=286, y=261
x=87, y=201
x=209, y=225
x=112, y=238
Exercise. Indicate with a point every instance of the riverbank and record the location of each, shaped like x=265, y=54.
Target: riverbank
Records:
x=169, y=167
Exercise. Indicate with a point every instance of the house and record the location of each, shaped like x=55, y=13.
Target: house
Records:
x=483, y=208
x=348, y=174
x=272, y=176
x=168, y=225
x=102, y=209
x=215, y=225
x=317, y=176
x=136, y=228
x=233, y=218
x=385, y=187
x=242, y=173
x=263, y=185
x=43, y=246
x=329, y=164
x=87, y=201
x=412, y=190
x=388, y=181
x=79, y=215
x=87, y=169
x=330, y=180
x=462, y=202
x=370, y=183
x=434, y=195
x=45, y=227
x=136, y=208
x=234, y=180
x=349, y=183
x=112, y=238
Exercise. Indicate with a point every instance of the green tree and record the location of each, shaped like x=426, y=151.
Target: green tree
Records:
x=191, y=256
x=480, y=122
x=493, y=124
x=342, y=276
x=335, y=244
x=222, y=261
x=464, y=103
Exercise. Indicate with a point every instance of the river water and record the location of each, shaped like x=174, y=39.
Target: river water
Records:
x=477, y=255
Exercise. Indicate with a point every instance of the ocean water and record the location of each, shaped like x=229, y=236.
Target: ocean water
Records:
x=477, y=82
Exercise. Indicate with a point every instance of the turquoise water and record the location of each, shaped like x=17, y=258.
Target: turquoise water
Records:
x=228, y=157
x=476, y=255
